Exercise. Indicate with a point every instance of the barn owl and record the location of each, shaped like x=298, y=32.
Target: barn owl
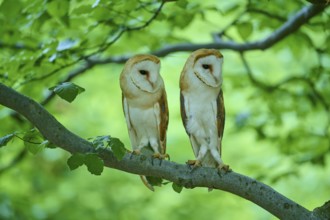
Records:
x=145, y=105
x=202, y=106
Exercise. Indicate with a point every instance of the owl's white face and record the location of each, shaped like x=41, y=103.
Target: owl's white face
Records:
x=208, y=69
x=145, y=75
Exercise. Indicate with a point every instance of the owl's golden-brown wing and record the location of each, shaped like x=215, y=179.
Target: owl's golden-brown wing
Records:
x=184, y=108
x=163, y=121
x=220, y=117
x=183, y=112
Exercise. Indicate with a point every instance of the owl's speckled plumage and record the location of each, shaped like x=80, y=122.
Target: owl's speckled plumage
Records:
x=202, y=106
x=145, y=105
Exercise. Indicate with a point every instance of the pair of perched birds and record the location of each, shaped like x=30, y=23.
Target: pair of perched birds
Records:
x=202, y=106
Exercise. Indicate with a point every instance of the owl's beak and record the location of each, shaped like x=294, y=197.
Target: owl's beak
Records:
x=154, y=87
x=215, y=78
x=152, y=84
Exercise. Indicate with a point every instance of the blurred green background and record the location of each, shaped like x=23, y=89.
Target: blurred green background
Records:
x=280, y=137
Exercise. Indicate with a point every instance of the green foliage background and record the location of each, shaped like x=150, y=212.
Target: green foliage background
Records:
x=277, y=122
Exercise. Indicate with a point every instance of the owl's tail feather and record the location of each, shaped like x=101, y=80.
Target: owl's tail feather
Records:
x=146, y=183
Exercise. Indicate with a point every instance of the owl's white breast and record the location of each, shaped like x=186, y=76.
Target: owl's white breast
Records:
x=200, y=105
x=145, y=120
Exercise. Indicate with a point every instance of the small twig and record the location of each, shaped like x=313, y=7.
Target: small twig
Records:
x=17, y=46
x=50, y=73
x=231, y=24
x=266, y=13
x=147, y=23
x=105, y=46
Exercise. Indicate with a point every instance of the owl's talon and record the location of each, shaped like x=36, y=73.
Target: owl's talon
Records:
x=223, y=168
x=161, y=156
x=194, y=163
x=167, y=156
x=134, y=152
x=156, y=155
x=164, y=156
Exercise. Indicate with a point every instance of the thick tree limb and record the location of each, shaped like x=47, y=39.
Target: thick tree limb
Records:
x=238, y=184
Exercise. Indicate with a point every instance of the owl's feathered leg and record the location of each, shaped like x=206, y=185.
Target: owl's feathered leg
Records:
x=217, y=158
x=201, y=153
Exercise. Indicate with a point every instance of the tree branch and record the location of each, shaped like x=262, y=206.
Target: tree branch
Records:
x=238, y=184
x=17, y=46
x=292, y=25
x=266, y=13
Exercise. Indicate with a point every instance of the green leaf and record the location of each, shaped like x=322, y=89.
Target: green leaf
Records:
x=101, y=141
x=177, y=188
x=58, y=8
x=5, y=139
x=99, y=13
x=33, y=141
x=83, y=9
x=8, y=8
x=161, y=16
x=181, y=20
x=233, y=6
x=117, y=148
x=244, y=29
x=67, y=91
x=182, y=3
x=94, y=164
x=75, y=161
x=154, y=181
x=65, y=20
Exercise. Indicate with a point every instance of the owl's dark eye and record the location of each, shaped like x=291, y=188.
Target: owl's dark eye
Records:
x=143, y=72
x=206, y=66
